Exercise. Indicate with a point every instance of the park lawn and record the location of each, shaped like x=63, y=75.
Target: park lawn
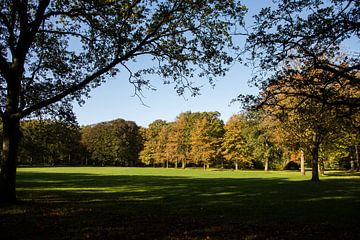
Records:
x=156, y=203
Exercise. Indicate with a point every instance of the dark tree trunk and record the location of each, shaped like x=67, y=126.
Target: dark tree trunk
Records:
x=11, y=139
x=315, y=159
x=357, y=157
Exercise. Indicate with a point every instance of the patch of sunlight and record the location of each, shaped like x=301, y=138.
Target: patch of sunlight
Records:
x=66, y=189
x=13, y=211
x=224, y=193
x=328, y=198
x=145, y=198
x=85, y=189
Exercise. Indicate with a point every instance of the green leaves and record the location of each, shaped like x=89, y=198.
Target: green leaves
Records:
x=116, y=142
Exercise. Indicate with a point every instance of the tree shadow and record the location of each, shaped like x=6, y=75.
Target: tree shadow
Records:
x=342, y=173
x=89, y=206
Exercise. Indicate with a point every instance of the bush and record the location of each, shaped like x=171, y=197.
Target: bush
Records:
x=292, y=166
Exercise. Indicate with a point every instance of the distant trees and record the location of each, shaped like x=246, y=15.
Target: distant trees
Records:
x=47, y=142
x=116, y=143
x=192, y=139
x=152, y=152
x=277, y=137
x=205, y=138
x=234, y=145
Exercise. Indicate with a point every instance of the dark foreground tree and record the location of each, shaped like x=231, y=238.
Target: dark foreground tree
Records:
x=55, y=51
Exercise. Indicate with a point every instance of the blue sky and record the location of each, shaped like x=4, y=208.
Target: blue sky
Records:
x=114, y=99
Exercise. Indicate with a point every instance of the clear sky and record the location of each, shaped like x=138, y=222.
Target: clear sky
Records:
x=114, y=99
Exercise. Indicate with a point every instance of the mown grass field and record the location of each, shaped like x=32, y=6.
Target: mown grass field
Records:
x=148, y=203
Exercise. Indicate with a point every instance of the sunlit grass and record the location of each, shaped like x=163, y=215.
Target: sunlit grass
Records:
x=159, y=203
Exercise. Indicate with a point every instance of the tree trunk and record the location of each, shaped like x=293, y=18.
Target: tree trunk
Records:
x=176, y=164
x=321, y=167
x=204, y=166
x=315, y=160
x=352, y=164
x=302, y=162
x=357, y=157
x=236, y=166
x=183, y=164
x=266, y=164
x=11, y=139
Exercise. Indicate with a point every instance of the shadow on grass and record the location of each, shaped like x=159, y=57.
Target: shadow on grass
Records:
x=342, y=173
x=85, y=206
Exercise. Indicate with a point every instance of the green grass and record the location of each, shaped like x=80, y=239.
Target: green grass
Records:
x=148, y=203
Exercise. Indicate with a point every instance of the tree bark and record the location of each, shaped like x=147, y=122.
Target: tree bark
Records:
x=236, y=166
x=11, y=132
x=302, y=162
x=315, y=159
x=266, y=164
x=11, y=139
x=357, y=157
x=183, y=164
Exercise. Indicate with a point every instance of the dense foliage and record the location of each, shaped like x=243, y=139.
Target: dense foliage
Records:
x=116, y=143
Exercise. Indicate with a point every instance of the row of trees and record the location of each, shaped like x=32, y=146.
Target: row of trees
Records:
x=272, y=138
x=255, y=139
x=50, y=143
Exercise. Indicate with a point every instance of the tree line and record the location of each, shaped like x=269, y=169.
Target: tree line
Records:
x=249, y=140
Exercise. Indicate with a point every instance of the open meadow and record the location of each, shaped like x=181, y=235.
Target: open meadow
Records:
x=155, y=203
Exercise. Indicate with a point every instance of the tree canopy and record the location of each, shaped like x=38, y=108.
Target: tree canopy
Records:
x=314, y=34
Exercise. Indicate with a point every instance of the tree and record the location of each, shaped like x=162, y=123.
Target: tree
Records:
x=264, y=139
x=310, y=120
x=117, y=142
x=179, y=140
x=150, y=154
x=49, y=142
x=205, y=138
x=234, y=141
x=306, y=31
x=53, y=52
x=161, y=148
x=310, y=33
